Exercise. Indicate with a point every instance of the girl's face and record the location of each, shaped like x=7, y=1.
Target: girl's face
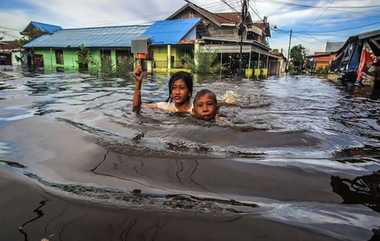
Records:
x=179, y=92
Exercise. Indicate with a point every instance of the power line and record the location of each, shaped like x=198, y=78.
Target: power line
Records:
x=323, y=7
x=321, y=13
x=255, y=12
x=229, y=5
x=339, y=30
x=325, y=32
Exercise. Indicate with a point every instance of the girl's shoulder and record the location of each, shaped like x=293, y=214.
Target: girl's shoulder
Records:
x=166, y=106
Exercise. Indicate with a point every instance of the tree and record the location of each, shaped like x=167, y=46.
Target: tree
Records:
x=297, y=58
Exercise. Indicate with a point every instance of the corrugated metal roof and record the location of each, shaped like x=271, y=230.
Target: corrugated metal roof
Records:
x=333, y=46
x=116, y=36
x=47, y=28
x=170, y=31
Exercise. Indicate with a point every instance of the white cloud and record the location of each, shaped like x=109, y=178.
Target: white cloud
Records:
x=79, y=13
x=13, y=22
x=83, y=13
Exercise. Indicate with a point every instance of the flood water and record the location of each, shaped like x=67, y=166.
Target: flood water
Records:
x=296, y=159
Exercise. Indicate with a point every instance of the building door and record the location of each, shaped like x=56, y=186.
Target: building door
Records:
x=38, y=61
x=105, y=55
x=123, y=56
x=59, y=56
x=5, y=59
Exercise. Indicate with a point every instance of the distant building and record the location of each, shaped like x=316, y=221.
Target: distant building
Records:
x=36, y=29
x=10, y=53
x=277, y=66
x=323, y=60
x=332, y=47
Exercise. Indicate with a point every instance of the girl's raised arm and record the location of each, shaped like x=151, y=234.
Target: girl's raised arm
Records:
x=138, y=73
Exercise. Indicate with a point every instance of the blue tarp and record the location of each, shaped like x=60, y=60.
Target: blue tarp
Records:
x=170, y=31
x=355, y=59
x=47, y=28
x=98, y=37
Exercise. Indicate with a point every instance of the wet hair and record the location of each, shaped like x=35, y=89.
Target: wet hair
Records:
x=186, y=77
x=204, y=92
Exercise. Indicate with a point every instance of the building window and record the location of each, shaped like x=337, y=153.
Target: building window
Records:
x=59, y=56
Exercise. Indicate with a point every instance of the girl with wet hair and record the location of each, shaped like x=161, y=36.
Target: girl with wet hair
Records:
x=180, y=91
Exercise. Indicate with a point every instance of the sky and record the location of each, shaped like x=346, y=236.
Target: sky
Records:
x=313, y=22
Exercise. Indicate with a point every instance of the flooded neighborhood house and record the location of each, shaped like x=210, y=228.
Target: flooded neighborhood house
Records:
x=359, y=59
x=323, y=60
x=10, y=53
x=172, y=44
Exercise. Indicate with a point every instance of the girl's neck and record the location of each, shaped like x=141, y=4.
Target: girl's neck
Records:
x=183, y=107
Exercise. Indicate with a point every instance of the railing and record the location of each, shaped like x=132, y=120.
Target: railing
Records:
x=160, y=64
x=175, y=64
x=180, y=65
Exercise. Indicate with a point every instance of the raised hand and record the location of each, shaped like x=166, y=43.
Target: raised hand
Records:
x=138, y=73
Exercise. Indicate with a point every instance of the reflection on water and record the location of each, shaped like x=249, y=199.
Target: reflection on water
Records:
x=363, y=190
x=276, y=149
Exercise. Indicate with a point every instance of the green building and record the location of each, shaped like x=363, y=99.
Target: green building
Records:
x=110, y=47
x=83, y=48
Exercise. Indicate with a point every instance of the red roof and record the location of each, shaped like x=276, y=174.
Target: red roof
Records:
x=223, y=18
x=231, y=17
x=8, y=45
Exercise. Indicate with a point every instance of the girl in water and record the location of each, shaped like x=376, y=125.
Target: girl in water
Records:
x=204, y=107
x=180, y=91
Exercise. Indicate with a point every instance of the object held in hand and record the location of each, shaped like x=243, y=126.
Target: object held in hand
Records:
x=230, y=97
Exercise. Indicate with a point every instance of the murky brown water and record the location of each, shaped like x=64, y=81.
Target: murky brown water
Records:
x=294, y=160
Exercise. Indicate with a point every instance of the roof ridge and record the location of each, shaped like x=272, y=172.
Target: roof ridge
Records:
x=215, y=14
x=117, y=26
x=200, y=9
x=46, y=24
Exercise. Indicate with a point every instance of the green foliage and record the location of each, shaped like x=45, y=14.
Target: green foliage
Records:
x=324, y=70
x=32, y=34
x=297, y=58
x=106, y=66
x=21, y=42
x=84, y=58
x=125, y=66
x=207, y=62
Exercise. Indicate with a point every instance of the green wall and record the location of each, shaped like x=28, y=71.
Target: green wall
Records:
x=95, y=63
x=160, y=55
x=113, y=58
x=49, y=58
x=70, y=59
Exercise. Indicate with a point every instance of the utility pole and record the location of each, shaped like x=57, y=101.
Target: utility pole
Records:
x=290, y=43
x=244, y=15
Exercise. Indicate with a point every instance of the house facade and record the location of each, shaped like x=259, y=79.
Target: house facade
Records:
x=219, y=33
x=323, y=60
x=83, y=48
x=358, y=60
x=10, y=53
x=171, y=43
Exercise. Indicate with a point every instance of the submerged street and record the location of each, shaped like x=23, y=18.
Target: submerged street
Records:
x=297, y=155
